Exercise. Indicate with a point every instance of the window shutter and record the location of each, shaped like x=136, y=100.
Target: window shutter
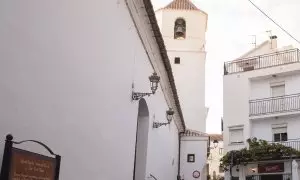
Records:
x=236, y=135
x=279, y=130
x=278, y=90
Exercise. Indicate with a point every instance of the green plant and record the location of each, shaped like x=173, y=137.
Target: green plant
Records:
x=258, y=150
x=208, y=177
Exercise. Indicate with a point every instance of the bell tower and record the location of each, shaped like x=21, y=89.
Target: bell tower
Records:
x=183, y=27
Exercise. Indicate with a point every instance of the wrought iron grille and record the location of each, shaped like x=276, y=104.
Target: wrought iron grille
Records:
x=293, y=143
x=279, y=104
x=262, y=61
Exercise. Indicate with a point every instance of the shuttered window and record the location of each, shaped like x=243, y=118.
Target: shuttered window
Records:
x=278, y=90
x=236, y=136
x=279, y=134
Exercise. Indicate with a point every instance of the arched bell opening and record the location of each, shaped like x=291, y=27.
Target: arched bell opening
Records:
x=180, y=29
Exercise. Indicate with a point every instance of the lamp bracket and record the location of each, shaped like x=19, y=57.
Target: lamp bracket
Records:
x=158, y=124
x=138, y=95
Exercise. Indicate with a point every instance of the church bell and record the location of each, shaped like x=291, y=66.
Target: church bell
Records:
x=179, y=32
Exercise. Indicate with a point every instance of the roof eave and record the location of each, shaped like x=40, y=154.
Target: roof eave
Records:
x=163, y=52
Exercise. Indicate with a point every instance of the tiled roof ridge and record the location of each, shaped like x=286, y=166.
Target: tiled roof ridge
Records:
x=218, y=137
x=190, y=132
x=181, y=4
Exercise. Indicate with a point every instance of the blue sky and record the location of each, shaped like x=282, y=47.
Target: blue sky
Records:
x=230, y=26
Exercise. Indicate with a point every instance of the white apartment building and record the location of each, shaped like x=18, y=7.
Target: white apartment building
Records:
x=262, y=100
x=216, y=152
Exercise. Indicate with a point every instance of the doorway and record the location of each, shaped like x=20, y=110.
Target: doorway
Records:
x=141, y=145
x=271, y=177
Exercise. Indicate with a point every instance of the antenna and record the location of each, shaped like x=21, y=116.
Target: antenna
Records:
x=254, y=41
x=270, y=32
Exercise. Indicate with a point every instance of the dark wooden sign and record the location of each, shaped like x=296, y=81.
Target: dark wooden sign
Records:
x=271, y=168
x=19, y=164
x=31, y=166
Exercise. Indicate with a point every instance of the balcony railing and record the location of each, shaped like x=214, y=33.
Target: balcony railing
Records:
x=295, y=143
x=279, y=104
x=262, y=61
x=271, y=176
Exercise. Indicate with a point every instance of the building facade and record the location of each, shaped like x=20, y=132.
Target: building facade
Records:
x=262, y=100
x=185, y=45
x=216, y=153
x=69, y=71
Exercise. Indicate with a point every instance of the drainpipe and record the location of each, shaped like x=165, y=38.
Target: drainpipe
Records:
x=179, y=155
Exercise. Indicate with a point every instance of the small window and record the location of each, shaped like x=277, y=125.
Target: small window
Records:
x=236, y=135
x=280, y=134
x=220, y=151
x=191, y=158
x=177, y=60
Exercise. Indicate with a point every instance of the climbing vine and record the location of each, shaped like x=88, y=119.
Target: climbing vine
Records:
x=258, y=150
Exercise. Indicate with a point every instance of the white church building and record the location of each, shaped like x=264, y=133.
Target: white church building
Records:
x=113, y=87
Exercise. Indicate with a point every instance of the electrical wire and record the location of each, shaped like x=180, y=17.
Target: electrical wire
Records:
x=274, y=22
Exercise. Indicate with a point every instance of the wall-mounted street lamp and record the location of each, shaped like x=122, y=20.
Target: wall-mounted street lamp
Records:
x=215, y=142
x=154, y=80
x=169, y=114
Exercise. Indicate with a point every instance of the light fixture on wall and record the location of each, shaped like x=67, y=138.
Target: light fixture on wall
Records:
x=215, y=142
x=154, y=80
x=169, y=114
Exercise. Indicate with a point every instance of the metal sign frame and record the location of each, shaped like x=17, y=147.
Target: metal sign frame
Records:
x=8, y=152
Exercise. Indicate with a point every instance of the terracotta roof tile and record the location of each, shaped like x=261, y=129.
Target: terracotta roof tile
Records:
x=189, y=132
x=182, y=5
x=218, y=137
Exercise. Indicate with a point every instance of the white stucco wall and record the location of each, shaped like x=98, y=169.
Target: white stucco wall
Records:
x=236, y=91
x=260, y=88
x=190, y=73
x=66, y=76
x=197, y=146
x=262, y=128
x=190, y=81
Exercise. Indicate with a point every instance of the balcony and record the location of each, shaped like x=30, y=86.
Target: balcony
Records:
x=295, y=143
x=274, y=105
x=262, y=61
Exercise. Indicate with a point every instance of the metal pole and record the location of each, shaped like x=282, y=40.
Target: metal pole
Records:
x=6, y=158
x=231, y=163
x=57, y=168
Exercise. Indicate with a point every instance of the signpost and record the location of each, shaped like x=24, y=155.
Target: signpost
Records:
x=20, y=164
